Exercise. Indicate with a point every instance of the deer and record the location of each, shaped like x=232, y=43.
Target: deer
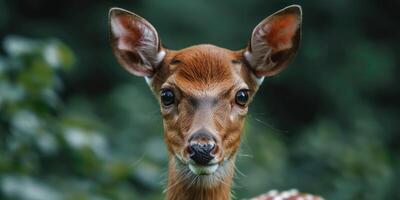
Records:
x=204, y=92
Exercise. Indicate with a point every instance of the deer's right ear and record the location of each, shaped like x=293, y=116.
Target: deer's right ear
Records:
x=135, y=42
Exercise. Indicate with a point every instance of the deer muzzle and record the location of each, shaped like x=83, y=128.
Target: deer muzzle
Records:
x=202, y=148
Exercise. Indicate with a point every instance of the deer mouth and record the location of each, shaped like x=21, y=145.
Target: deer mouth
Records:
x=204, y=175
x=196, y=169
x=203, y=169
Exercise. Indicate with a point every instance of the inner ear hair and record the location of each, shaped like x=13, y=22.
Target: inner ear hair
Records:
x=135, y=42
x=274, y=42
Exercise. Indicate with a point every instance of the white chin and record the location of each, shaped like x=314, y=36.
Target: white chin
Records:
x=203, y=170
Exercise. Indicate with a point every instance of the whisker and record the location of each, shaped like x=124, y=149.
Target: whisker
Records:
x=182, y=176
x=178, y=182
x=246, y=155
x=152, y=114
x=219, y=179
x=192, y=182
x=270, y=126
x=137, y=162
x=241, y=173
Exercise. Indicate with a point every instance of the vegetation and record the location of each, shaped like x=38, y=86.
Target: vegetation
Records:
x=74, y=125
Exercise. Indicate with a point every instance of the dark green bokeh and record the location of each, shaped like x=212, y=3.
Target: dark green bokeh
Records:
x=75, y=125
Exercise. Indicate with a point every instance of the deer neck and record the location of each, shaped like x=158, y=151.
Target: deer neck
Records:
x=180, y=189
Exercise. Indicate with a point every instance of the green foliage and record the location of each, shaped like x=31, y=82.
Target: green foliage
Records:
x=50, y=150
x=74, y=125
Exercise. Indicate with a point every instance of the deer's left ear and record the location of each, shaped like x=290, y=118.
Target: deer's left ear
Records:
x=274, y=42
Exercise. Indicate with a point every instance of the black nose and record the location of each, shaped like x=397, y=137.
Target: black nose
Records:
x=201, y=146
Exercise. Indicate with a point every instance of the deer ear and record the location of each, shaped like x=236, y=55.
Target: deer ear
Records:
x=135, y=42
x=274, y=42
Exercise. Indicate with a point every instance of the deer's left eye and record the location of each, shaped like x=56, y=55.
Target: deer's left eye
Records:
x=242, y=97
x=167, y=97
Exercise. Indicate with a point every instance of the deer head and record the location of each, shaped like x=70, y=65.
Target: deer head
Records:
x=204, y=91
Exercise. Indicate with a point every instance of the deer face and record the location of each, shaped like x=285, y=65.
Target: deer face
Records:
x=204, y=91
x=204, y=98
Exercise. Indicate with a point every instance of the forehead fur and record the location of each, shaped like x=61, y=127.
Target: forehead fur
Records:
x=204, y=67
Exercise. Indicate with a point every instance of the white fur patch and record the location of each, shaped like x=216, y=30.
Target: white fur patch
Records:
x=249, y=57
x=160, y=56
x=116, y=28
x=223, y=170
x=203, y=170
x=149, y=80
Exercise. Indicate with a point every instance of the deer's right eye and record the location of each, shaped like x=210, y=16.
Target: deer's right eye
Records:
x=167, y=97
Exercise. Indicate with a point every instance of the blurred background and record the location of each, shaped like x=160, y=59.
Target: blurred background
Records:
x=75, y=125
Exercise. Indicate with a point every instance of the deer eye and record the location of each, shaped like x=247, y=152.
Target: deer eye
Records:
x=167, y=97
x=242, y=97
